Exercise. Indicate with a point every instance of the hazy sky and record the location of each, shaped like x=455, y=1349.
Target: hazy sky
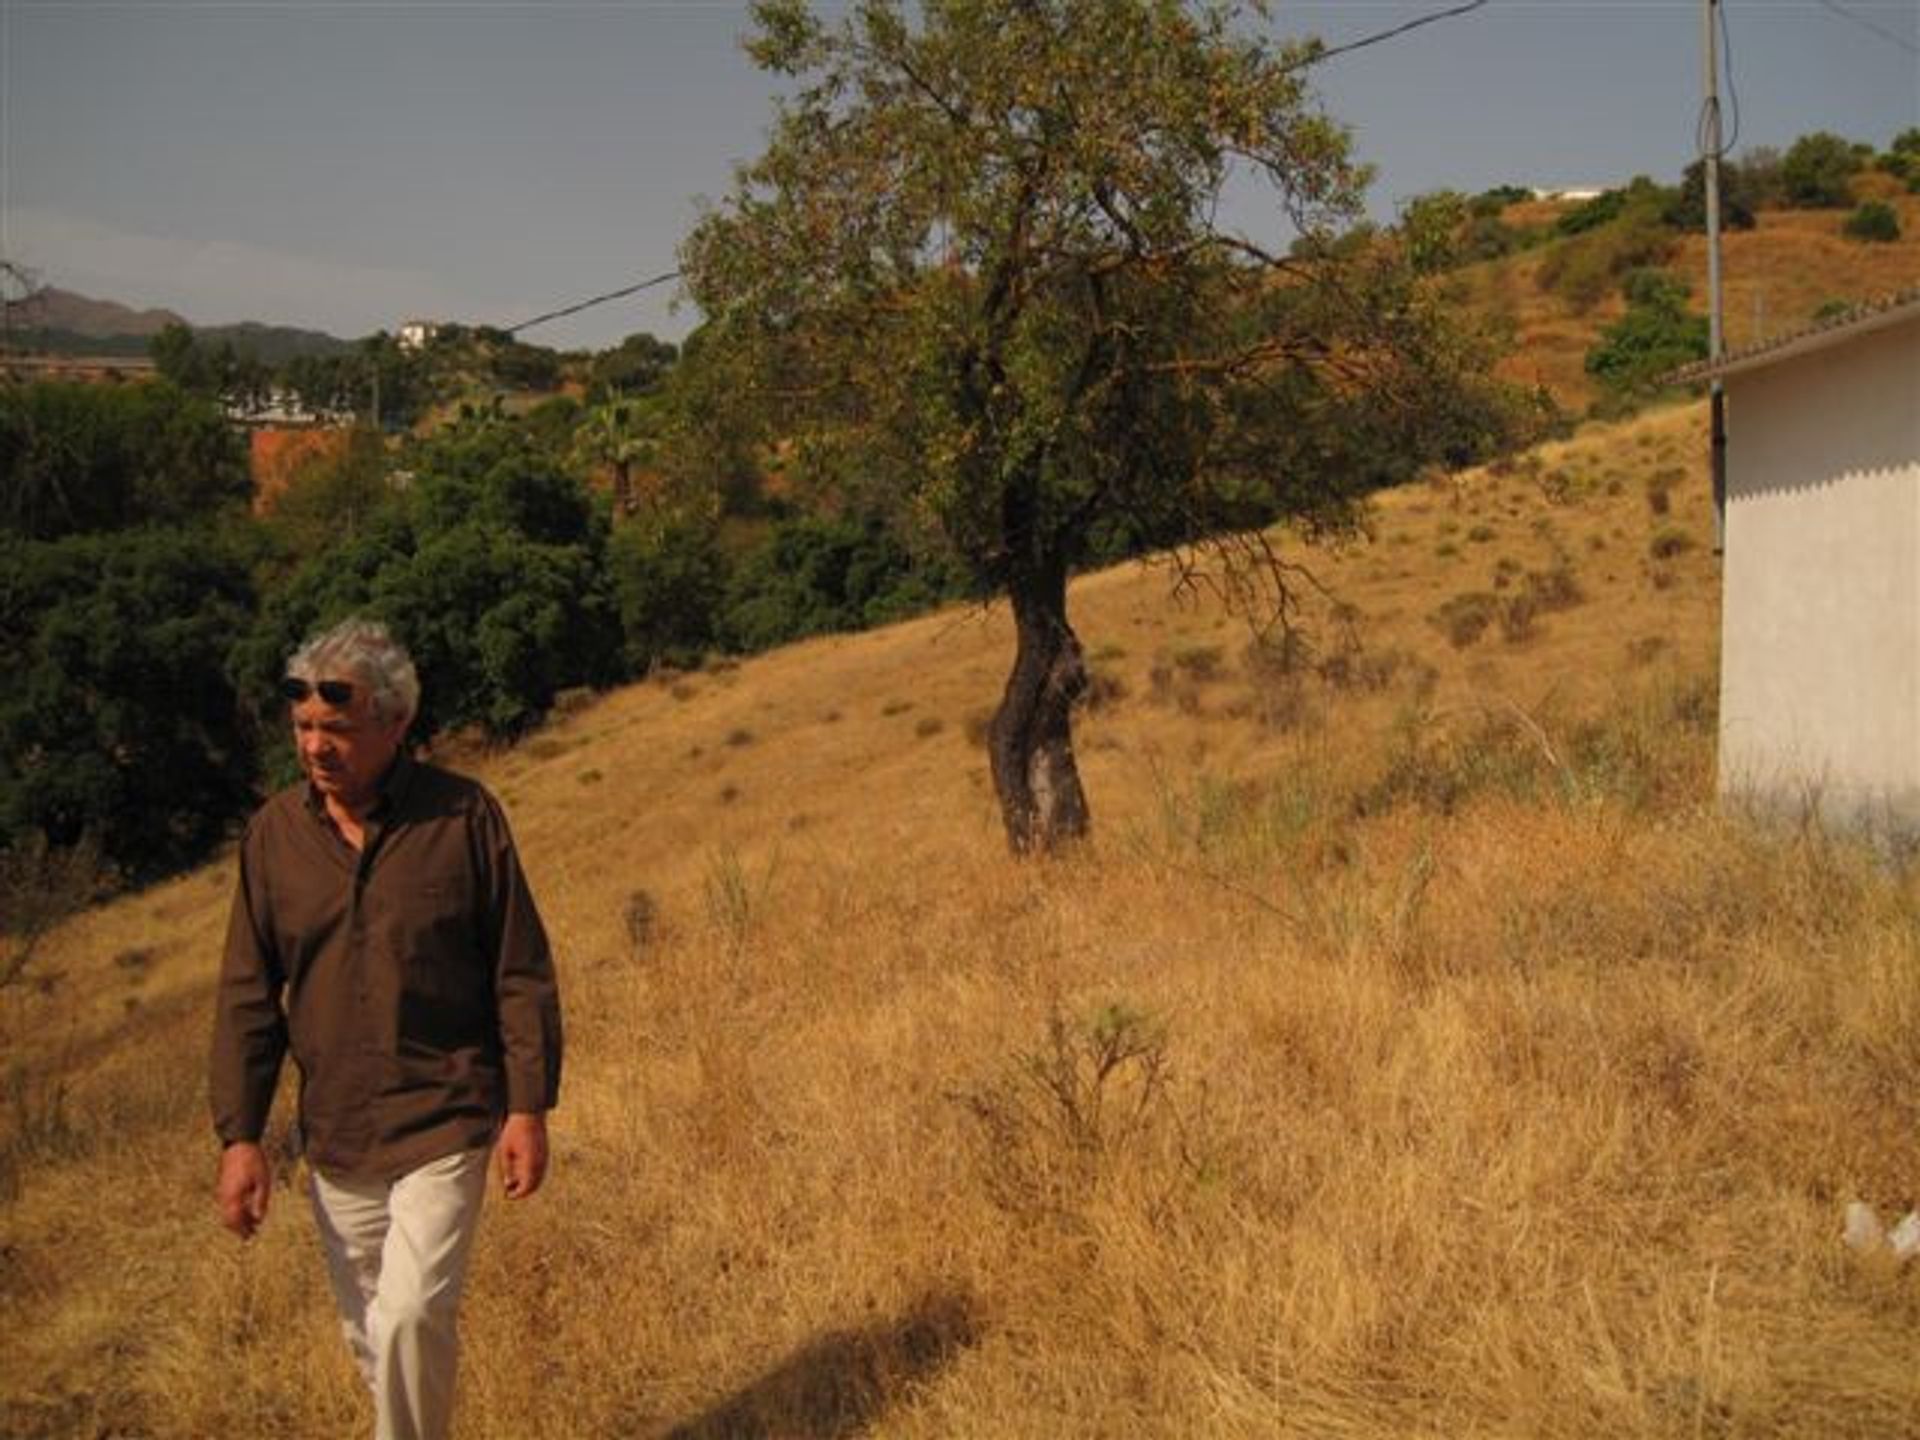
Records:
x=347, y=164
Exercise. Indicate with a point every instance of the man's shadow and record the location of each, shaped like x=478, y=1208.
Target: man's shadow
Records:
x=833, y=1387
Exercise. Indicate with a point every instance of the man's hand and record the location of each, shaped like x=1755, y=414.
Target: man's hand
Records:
x=523, y=1153
x=244, y=1188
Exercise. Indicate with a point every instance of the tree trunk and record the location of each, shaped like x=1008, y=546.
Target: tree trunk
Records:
x=1031, y=739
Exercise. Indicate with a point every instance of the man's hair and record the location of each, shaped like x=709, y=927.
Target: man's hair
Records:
x=366, y=652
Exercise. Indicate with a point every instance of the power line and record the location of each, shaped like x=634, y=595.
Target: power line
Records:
x=1316, y=58
x=575, y=309
x=1375, y=39
x=1867, y=25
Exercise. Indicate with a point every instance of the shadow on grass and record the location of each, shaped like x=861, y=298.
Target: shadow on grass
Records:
x=837, y=1385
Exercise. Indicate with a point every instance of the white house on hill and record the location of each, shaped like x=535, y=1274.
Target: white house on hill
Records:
x=1820, y=622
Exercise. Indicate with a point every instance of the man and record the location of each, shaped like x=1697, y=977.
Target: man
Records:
x=383, y=932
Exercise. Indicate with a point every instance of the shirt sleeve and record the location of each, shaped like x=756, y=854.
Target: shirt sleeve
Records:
x=526, y=992
x=249, y=1025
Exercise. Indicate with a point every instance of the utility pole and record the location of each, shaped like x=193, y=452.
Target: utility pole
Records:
x=1716, y=343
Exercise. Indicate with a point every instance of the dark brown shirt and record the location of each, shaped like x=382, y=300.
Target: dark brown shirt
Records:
x=410, y=979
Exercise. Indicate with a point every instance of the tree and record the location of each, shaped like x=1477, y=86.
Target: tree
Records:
x=1818, y=171
x=981, y=270
x=618, y=436
x=1656, y=336
x=119, y=725
x=1874, y=220
x=491, y=568
x=635, y=366
x=81, y=458
x=1739, y=199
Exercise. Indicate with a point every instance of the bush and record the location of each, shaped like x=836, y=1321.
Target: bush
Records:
x=119, y=725
x=1818, y=170
x=1874, y=221
x=815, y=575
x=1655, y=336
x=84, y=458
x=670, y=580
x=1581, y=270
x=1739, y=199
x=491, y=569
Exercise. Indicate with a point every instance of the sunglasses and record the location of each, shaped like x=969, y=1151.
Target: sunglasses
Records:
x=334, y=692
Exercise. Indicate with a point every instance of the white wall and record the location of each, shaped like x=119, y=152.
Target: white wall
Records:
x=1820, y=654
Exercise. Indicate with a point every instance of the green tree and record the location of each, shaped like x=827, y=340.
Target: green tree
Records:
x=80, y=458
x=1739, y=199
x=334, y=498
x=1656, y=336
x=669, y=576
x=1818, y=170
x=1874, y=220
x=636, y=366
x=491, y=568
x=618, y=436
x=980, y=271
x=119, y=725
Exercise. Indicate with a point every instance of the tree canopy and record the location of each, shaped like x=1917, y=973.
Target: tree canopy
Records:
x=983, y=271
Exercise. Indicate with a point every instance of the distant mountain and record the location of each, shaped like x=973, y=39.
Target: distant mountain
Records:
x=62, y=310
x=60, y=322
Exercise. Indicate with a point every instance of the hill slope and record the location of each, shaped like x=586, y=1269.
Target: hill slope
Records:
x=1414, y=1051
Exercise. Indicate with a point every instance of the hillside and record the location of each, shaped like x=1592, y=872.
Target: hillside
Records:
x=1414, y=1050
x=54, y=309
x=1774, y=279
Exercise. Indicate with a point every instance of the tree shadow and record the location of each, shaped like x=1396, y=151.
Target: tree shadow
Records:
x=834, y=1386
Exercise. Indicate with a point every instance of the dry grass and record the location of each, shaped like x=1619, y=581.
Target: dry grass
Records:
x=1414, y=1051
x=1774, y=279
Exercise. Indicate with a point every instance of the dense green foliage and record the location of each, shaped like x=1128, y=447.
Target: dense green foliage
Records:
x=1740, y=198
x=819, y=574
x=1818, y=171
x=1874, y=220
x=1656, y=336
x=490, y=567
x=83, y=458
x=119, y=723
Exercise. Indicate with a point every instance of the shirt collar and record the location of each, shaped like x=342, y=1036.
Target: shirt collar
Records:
x=392, y=788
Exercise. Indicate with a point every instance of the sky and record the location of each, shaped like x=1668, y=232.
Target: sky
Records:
x=346, y=165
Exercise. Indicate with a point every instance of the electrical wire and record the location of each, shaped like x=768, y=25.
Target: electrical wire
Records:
x=1321, y=56
x=1318, y=57
x=575, y=309
x=1867, y=25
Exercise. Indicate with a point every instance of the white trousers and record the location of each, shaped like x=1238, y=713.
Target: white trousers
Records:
x=397, y=1255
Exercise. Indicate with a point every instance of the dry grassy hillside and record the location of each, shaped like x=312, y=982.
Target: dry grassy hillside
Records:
x=1774, y=278
x=1414, y=1051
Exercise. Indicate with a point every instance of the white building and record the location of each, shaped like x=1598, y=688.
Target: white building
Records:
x=1820, y=622
x=416, y=334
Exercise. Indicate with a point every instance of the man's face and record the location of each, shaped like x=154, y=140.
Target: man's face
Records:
x=345, y=749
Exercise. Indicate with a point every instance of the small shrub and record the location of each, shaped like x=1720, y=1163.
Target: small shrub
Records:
x=927, y=726
x=1669, y=542
x=1202, y=662
x=1482, y=534
x=896, y=707
x=641, y=918
x=1874, y=222
x=1104, y=689
x=1660, y=489
x=978, y=725
x=1465, y=618
x=737, y=739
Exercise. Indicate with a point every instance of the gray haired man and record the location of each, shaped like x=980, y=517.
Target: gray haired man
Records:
x=384, y=935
